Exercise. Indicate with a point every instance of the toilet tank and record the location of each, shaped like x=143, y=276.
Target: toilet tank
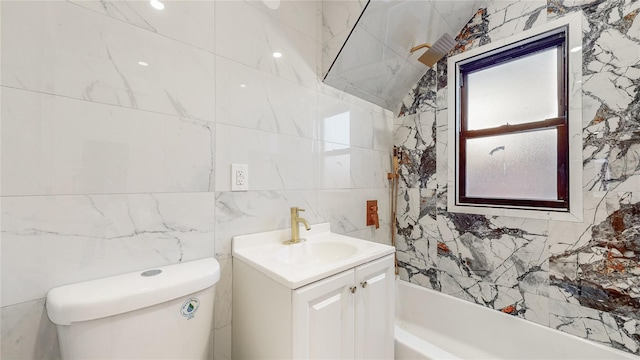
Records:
x=160, y=313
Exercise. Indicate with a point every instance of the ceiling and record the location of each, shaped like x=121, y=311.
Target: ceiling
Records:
x=375, y=63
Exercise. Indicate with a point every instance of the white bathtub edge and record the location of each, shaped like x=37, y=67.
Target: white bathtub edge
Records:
x=496, y=325
x=404, y=339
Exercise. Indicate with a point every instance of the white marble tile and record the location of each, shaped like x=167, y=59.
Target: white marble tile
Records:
x=416, y=131
x=240, y=213
x=376, y=63
x=57, y=145
x=346, y=209
x=442, y=149
x=343, y=167
x=340, y=16
x=615, y=49
x=190, y=22
x=536, y=308
x=250, y=98
x=408, y=213
x=251, y=37
x=411, y=243
x=457, y=13
x=383, y=131
x=345, y=123
x=334, y=166
x=351, y=99
x=376, y=175
x=596, y=264
x=381, y=235
x=611, y=88
x=276, y=162
x=428, y=224
x=303, y=16
x=594, y=325
x=571, y=236
x=516, y=255
x=330, y=50
x=506, y=299
x=380, y=74
x=27, y=332
x=361, y=54
x=49, y=241
x=401, y=25
x=507, y=18
x=60, y=48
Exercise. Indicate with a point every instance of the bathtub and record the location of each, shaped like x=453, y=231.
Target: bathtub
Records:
x=468, y=331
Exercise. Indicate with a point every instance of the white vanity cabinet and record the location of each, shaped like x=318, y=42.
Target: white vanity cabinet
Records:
x=348, y=315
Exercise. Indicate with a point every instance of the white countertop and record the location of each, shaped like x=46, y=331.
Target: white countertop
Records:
x=322, y=254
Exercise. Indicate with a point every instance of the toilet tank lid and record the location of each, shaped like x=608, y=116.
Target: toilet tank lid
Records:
x=114, y=295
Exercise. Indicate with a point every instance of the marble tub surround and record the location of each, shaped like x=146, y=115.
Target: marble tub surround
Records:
x=509, y=252
x=109, y=166
x=611, y=39
x=422, y=96
x=577, y=277
x=502, y=337
x=600, y=267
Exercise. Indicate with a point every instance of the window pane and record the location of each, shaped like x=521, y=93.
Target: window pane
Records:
x=515, y=92
x=515, y=166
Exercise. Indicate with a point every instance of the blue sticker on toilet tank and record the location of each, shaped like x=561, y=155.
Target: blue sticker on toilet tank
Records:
x=189, y=308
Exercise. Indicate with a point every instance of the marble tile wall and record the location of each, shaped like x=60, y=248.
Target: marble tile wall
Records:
x=581, y=278
x=110, y=166
x=338, y=18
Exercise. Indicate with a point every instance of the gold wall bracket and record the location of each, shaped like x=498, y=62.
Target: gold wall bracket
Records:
x=418, y=47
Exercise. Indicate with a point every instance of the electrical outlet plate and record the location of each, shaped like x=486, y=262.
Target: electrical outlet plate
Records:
x=239, y=177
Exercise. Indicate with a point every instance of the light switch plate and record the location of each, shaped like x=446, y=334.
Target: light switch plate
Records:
x=239, y=177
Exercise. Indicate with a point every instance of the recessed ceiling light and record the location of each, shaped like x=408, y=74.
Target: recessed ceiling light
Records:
x=156, y=4
x=243, y=85
x=277, y=55
x=142, y=63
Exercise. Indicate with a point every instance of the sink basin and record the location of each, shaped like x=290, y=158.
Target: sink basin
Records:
x=315, y=252
x=323, y=254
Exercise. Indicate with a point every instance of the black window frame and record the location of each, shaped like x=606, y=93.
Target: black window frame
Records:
x=556, y=38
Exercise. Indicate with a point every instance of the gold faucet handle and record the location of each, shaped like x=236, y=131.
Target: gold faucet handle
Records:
x=300, y=209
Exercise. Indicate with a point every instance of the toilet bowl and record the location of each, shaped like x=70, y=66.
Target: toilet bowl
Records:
x=161, y=313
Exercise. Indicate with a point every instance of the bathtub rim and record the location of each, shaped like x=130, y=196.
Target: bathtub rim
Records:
x=411, y=324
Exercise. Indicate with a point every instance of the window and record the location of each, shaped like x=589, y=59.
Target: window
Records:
x=512, y=125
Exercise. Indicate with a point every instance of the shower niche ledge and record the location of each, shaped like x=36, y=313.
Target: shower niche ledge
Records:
x=331, y=296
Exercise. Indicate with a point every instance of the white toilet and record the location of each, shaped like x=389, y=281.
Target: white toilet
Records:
x=163, y=313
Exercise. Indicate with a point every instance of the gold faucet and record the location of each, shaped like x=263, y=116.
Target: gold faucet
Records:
x=295, y=231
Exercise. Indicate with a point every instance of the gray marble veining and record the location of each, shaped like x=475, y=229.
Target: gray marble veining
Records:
x=577, y=277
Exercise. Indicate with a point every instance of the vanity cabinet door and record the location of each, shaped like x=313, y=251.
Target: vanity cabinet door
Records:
x=375, y=309
x=323, y=317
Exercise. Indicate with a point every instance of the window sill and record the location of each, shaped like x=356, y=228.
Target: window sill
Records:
x=518, y=212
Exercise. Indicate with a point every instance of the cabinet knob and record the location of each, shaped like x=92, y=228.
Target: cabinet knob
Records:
x=364, y=284
x=353, y=289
